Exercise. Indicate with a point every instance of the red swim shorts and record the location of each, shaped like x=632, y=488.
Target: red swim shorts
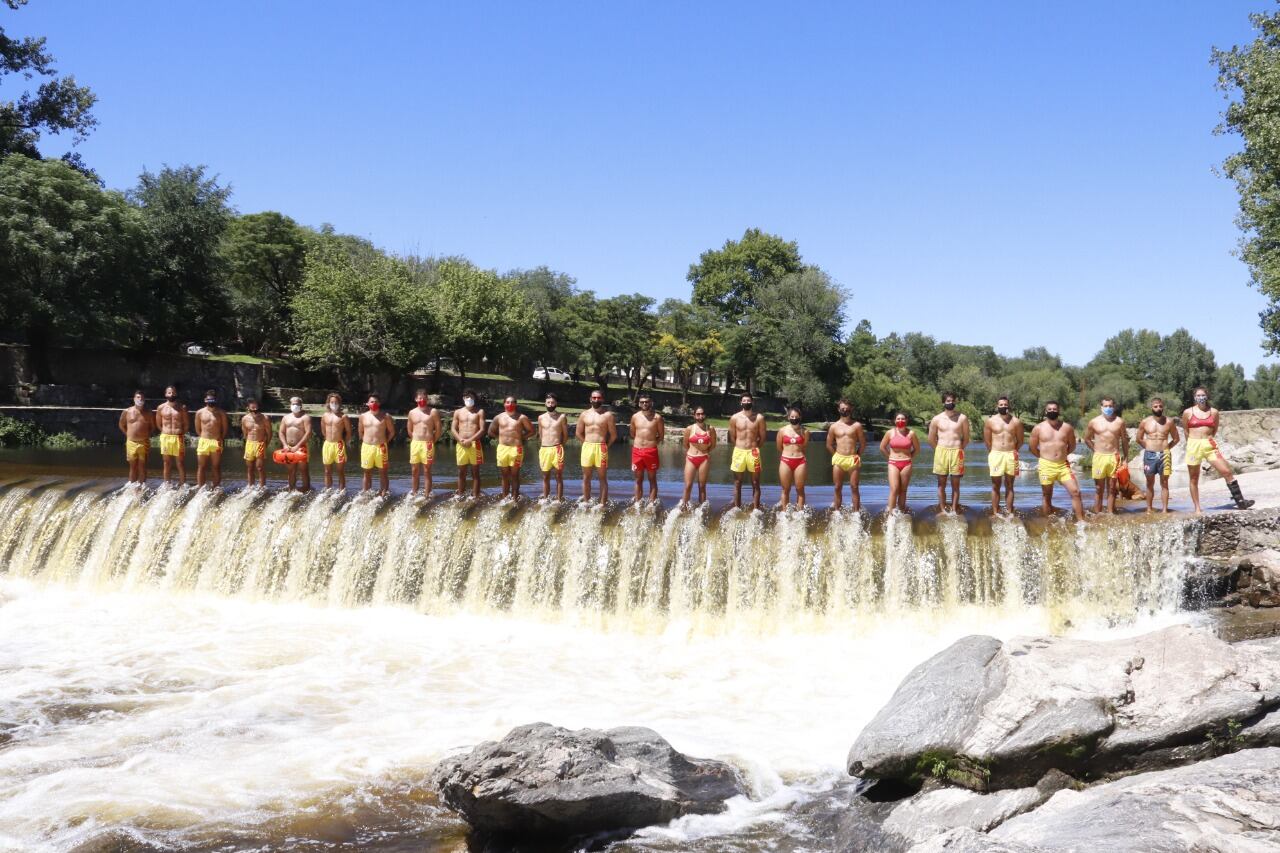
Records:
x=644, y=459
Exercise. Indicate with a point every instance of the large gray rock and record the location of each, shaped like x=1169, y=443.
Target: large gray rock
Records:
x=545, y=781
x=931, y=813
x=965, y=840
x=1231, y=803
x=1085, y=708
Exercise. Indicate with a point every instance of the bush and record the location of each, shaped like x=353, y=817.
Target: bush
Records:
x=64, y=441
x=16, y=433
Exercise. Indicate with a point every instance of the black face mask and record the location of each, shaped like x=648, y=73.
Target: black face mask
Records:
x=171, y=397
x=794, y=421
x=845, y=413
x=1053, y=416
x=1004, y=410
x=551, y=407
x=1159, y=413
x=746, y=407
x=253, y=410
x=595, y=404
x=948, y=406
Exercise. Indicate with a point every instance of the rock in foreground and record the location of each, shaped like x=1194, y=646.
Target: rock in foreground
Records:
x=545, y=781
x=988, y=715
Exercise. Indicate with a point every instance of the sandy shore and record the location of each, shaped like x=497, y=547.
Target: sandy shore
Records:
x=1261, y=486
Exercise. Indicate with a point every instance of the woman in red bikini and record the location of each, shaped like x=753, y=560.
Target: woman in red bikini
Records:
x=900, y=445
x=791, y=465
x=698, y=441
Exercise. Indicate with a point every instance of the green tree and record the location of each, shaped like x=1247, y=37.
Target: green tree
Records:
x=1117, y=385
x=186, y=214
x=1137, y=352
x=1230, y=388
x=688, y=338
x=631, y=321
x=1251, y=75
x=587, y=331
x=973, y=386
x=58, y=104
x=357, y=312
x=548, y=293
x=264, y=256
x=1184, y=363
x=796, y=323
x=480, y=316
x=924, y=360
x=1264, y=388
x=1029, y=390
x=72, y=257
x=873, y=394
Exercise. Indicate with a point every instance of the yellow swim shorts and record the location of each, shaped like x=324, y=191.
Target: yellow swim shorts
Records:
x=551, y=458
x=846, y=463
x=948, y=461
x=422, y=452
x=1201, y=450
x=135, y=450
x=473, y=455
x=254, y=450
x=509, y=455
x=1003, y=463
x=333, y=453
x=745, y=461
x=594, y=455
x=373, y=456
x=171, y=445
x=1105, y=465
x=208, y=446
x=1055, y=472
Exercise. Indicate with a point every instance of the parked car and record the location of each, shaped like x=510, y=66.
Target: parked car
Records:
x=198, y=349
x=445, y=364
x=551, y=373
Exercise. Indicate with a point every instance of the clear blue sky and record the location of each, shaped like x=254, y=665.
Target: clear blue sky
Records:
x=1007, y=173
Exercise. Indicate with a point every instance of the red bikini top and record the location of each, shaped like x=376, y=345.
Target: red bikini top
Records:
x=793, y=439
x=1194, y=421
x=696, y=437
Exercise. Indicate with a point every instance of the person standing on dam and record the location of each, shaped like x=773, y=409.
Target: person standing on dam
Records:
x=597, y=430
x=211, y=432
x=1156, y=435
x=137, y=424
x=747, y=431
x=1051, y=441
x=553, y=434
x=377, y=428
x=511, y=429
x=792, y=464
x=295, y=434
x=949, y=436
x=1107, y=437
x=699, y=439
x=171, y=421
x=424, y=431
x=335, y=429
x=900, y=446
x=648, y=430
x=1201, y=424
x=467, y=427
x=255, y=429
x=846, y=442
x=1003, y=434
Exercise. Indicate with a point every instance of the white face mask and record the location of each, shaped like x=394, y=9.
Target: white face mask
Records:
x=297, y=408
x=139, y=402
x=335, y=408
x=468, y=402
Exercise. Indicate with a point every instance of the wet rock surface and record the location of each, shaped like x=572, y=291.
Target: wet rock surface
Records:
x=543, y=781
x=989, y=716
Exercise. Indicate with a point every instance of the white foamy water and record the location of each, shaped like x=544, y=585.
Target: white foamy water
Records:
x=272, y=672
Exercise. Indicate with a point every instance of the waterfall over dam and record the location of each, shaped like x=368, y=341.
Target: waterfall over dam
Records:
x=762, y=570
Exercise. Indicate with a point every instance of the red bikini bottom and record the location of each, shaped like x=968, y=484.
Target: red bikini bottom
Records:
x=900, y=463
x=793, y=462
x=697, y=460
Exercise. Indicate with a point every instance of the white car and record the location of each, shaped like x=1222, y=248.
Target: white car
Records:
x=550, y=373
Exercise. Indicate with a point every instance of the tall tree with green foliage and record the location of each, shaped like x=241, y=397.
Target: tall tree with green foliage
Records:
x=1249, y=75
x=548, y=293
x=796, y=323
x=1230, y=388
x=688, y=338
x=72, y=257
x=186, y=213
x=264, y=256
x=480, y=315
x=1264, y=388
x=630, y=317
x=57, y=105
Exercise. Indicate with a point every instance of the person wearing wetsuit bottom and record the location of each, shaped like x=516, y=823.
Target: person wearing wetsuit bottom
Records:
x=698, y=441
x=900, y=445
x=792, y=469
x=1201, y=424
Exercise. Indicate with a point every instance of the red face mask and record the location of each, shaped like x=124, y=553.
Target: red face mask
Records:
x=373, y=407
x=422, y=404
x=900, y=423
x=511, y=408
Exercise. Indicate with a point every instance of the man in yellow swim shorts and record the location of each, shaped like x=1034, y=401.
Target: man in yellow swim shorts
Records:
x=1002, y=433
x=424, y=431
x=467, y=429
x=1051, y=441
x=137, y=424
x=949, y=435
x=335, y=428
x=747, y=430
x=597, y=429
x=553, y=433
x=377, y=428
x=511, y=429
x=1108, y=438
x=846, y=442
x=171, y=420
x=211, y=427
x=255, y=429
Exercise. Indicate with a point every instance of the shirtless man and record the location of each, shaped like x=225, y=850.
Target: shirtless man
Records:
x=255, y=429
x=137, y=424
x=596, y=429
x=211, y=430
x=295, y=436
x=1156, y=435
x=647, y=430
x=1002, y=433
x=553, y=433
x=1107, y=437
x=846, y=442
x=377, y=428
x=424, y=431
x=511, y=429
x=746, y=435
x=466, y=428
x=171, y=421
x=1050, y=442
x=949, y=436
x=335, y=428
